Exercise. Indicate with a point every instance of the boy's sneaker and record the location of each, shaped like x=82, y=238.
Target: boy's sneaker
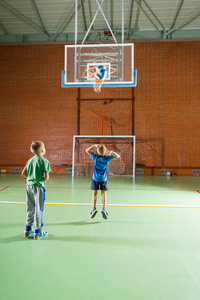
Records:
x=93, y=213
x=104, y=213
x=40, y=235
x=28, y=233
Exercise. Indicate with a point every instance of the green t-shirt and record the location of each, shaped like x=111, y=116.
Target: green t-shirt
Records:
x=36, y=168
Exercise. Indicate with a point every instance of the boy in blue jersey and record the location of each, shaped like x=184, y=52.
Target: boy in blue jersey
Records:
x=99, y=178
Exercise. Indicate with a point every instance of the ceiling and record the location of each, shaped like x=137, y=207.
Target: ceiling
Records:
x=49, y=21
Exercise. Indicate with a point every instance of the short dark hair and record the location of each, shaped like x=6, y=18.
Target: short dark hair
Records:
x=102, y=149
x=36, y=147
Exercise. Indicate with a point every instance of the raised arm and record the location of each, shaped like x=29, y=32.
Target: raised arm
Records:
x=115, y=155
x=89, y=150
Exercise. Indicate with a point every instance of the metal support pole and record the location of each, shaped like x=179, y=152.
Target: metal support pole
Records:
x=24, y=19
x=73, y=154
x=134, y=147
x=129, y=17
x=91, y=23
x=39, y=17
x=133, y=112
x=79, y=110
x=75, y=39
x=83, y=13
x=133, y=129
x=65, y=21
x=106, y=21
x=78, y=120
x=122, y=21
x=76, y=21
x=119, y=74
x=79, y=61
x=140, y=7
x=184, y=22
x=176, y=13
x=3, y=29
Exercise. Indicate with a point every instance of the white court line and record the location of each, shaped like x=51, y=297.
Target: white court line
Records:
x=109, y=205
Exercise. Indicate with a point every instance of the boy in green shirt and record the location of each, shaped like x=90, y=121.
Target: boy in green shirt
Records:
x=37, y=173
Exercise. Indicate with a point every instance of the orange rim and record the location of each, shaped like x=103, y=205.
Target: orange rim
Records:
x=91, y=75
x=98, y=80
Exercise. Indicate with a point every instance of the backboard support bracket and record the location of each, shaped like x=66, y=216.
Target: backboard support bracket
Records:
x=119, y=57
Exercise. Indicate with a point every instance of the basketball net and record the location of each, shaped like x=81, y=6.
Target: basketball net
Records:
x=97, y=83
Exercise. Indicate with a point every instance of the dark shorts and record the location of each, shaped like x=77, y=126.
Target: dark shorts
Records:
x=96, y=185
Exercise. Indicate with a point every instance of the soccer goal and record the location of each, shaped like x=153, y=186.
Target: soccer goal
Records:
x=82, y=164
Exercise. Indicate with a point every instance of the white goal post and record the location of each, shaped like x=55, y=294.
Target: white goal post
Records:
x=124, y=145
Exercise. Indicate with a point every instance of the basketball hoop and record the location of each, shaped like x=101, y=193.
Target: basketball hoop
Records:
x=97, y=83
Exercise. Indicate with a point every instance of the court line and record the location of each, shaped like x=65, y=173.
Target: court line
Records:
x=4, y=188
x=124, y=189
x=108, y=205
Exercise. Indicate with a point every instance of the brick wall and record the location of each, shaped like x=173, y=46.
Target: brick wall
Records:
x=167, y=105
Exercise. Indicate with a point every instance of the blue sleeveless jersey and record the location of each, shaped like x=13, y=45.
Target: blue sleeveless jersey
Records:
x=100, y=166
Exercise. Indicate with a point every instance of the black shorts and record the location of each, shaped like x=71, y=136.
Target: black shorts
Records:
x=96, y=185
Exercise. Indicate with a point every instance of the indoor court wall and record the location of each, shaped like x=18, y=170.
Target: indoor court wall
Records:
x=166, y=106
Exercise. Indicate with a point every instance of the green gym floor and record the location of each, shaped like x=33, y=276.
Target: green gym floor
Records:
x=148, y=248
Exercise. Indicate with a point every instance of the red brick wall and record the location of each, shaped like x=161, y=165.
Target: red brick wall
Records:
x=167, y=105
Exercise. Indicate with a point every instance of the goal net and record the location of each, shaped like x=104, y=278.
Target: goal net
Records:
x=82, y=164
